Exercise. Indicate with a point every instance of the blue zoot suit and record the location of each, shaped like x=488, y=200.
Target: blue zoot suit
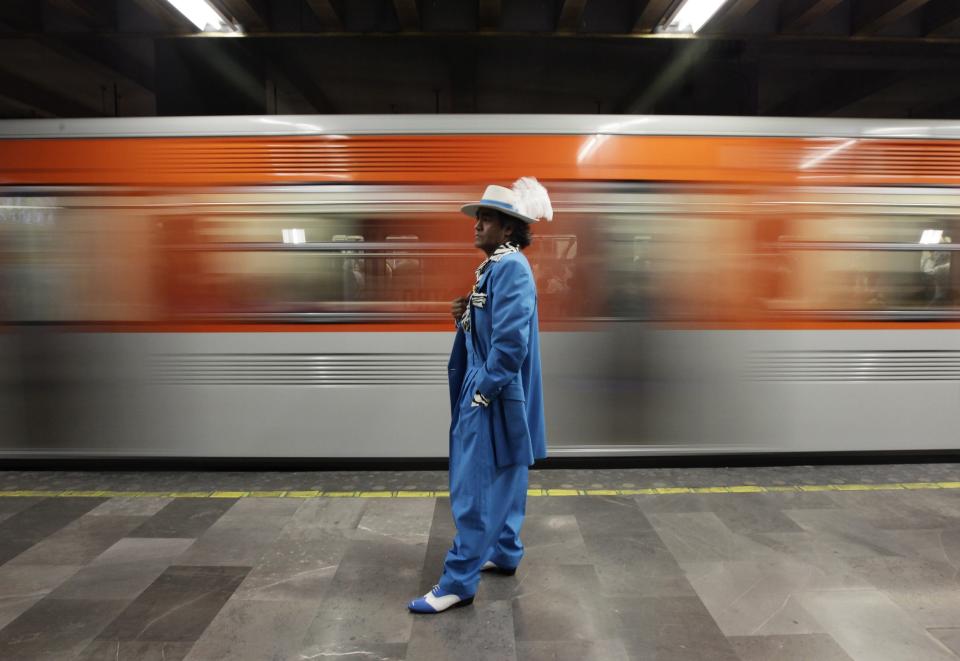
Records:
x=492, y=447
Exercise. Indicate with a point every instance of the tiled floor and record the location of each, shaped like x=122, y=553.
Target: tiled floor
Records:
x=821, y=575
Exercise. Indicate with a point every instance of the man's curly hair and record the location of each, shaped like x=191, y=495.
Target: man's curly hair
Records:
x=521, y=231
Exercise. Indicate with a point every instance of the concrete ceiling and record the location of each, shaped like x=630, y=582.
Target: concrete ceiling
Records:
x=859, y=58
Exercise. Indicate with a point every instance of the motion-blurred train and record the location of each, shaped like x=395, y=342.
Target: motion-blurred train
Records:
x=279, y=286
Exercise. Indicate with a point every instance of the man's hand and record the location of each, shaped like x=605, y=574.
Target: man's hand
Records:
x=458, y=307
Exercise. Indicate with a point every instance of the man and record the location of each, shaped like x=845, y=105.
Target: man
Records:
x=497, y=427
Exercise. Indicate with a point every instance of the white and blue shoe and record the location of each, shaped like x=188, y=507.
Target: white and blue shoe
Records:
x=489, y=565
x=437, y=601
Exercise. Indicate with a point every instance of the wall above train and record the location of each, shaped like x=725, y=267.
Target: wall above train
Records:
x=810, y=58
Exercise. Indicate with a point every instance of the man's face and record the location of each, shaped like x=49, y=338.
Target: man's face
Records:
x=488, y=232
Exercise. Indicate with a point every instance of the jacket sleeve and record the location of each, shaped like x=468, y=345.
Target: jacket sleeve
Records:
x=513, y=299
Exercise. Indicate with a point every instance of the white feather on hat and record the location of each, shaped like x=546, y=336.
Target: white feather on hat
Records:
x=527, y=200
x=532, y=199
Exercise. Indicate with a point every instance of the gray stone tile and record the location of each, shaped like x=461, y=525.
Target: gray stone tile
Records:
x=868, y=625
x=184, y=518
x=178, y=606
x=753, y=513
x=21, y=586
x=561, y=602
x=802, y=647
x=257, y=507
x=134, y=650
x=384, y=552
x=895, y=510
x=293, y=569
x=355, y=650
x=365, y=604
x=949, y=638
x=10, y=506
x=929, y=591
x=927, y=545
x=406, y=520
x=33, y=524
x=317, y=515
x=133, y=506
x=572, y=650
x=596, y=515
x=56, y=628
x=760, y=597
x=701, y=502
x=254, y=630
x=639, y=565
x=483, y=631
x=702, y=537
x=124, y=570
x=647, y=578
x=553, y=538
x=235, y=541
x=163, y=550
x=669, y=628
x=80, y=541
x=845, y=533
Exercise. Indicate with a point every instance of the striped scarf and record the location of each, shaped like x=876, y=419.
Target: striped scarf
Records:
x=479, y=299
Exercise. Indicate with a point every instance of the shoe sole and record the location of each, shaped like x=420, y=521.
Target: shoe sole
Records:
x=501, y=571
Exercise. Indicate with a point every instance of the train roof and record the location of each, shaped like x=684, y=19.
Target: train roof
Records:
x=527, y=124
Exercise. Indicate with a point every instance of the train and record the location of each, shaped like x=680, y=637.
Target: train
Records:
x=279, y=287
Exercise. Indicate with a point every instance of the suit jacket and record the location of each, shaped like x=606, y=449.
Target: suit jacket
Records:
x=504, y=342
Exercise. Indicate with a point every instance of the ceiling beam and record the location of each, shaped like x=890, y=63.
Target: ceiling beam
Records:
x=27, y=92
x=941, y=18
x=805, y=15
x=488, y=14
x=408, y=15
x=250, y=14
x=325, y=12
x=650, y=16
x=571, y=15
x=872, y=16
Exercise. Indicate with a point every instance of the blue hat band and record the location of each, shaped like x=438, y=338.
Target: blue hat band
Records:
x=498, y=203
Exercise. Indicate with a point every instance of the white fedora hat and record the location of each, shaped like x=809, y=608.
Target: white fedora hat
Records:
x=527, y=200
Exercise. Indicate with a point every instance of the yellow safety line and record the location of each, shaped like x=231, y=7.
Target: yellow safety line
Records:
x=651, y=491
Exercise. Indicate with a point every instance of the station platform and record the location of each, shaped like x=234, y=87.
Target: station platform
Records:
x=740, y=564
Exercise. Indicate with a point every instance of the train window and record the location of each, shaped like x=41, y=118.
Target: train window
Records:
x=887, y=256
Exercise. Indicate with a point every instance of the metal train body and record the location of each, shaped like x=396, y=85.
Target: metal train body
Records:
x=279, y=286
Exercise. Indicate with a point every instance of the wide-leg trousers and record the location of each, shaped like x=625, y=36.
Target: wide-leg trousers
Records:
x=488, y=504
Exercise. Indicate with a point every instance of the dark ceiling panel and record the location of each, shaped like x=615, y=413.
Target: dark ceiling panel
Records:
x=798, y=15
x=874, y=16
x=942, y=18
x=328, y=14
x=610, y=16
x=530, y=15
x=454, y=15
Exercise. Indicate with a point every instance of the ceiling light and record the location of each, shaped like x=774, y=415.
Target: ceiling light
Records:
x=202, y=14
x=691, y=15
